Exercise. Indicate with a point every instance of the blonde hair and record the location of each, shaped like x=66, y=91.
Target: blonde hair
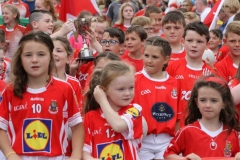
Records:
x=142, y=21
x=233, y=27
x=233, y=5
x=120, y=15
x=14, y=10
x=193, y=17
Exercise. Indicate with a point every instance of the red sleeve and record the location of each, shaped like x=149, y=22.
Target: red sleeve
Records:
x=4, y=110
x=221, y=70
x=88, y=130
x=234, y=82
x=222, y=52
x=133, y=118
x=27, y=10
x=176, y=144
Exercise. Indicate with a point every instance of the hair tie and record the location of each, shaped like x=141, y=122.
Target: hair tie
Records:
x=216, y=80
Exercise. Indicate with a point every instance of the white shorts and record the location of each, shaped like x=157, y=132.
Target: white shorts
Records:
x=43, y=158
x=154, y=146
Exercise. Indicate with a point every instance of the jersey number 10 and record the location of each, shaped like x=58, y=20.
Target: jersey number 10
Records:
x=36, y=108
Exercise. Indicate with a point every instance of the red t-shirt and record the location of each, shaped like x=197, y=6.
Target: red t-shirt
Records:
x=13, y=36
x=122, y=27
x=140, y=13
x=159, y=99
x=178, y=55
x=138, y=64
x=193, y=139
x=22, y=8
x=186, y=76
x=37, y=124
x=222, y=53
x=226, y=68
x=102, y=142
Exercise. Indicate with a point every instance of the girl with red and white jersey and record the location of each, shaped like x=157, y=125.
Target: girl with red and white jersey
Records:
x=158, y=94
x=12, y=29
x=113, y=126
x=37, y=108
x=212, y=124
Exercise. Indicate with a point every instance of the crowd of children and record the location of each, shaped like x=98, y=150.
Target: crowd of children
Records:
x=148, y=93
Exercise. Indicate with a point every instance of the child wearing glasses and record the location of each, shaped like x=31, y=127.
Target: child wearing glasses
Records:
x=112, y=40
x=135, y=37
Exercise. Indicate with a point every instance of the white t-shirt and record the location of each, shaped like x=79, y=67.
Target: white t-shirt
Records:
x=204, y=14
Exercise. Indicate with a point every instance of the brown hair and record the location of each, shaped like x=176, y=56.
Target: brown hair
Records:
x=142, y=21
x=174, y=17
x=49, y=3
x=164, y=47
x=152, y=9
x=233, y=27
x=229, y=115
x=104, y=77
x=19, y=75
x=139, y=30
x=191, y=16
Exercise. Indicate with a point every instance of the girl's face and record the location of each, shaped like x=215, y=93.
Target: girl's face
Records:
x=60, y=55
x=35, y=59
x=39, y=5
x=128, y=13
x=214, y=41
x=154, y=61
x=8, y=15
x=1, y=60
x=209, y=102
x=120, y=91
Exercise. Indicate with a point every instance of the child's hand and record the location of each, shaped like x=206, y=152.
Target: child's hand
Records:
x=67, y=27
x=193, y=156
x=75, y=64
x=237, y=156
x=91, y=35
x=99, y=94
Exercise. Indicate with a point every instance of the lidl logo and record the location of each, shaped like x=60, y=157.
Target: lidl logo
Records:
x=110, y=151
x=36, y=135
x=133, y=111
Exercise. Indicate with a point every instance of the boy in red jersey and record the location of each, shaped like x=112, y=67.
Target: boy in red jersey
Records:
x=173, y=27
x=135, y=38
x=155, y=13
x=228, y=66
x=187, y=70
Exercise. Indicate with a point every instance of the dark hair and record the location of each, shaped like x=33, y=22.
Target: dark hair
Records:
x=198, y=27
x=2, y=36
x=115, y=32
x=217, y=33
x=139, y=30
x=67, y=46
x=229, y=115
x=104, y=77
x=152, y=9
x=183, y=10
x=36, y=15
x=174, y=17
x=108, y=55
x=164, y=47
x=20, y=76
x=237, y=17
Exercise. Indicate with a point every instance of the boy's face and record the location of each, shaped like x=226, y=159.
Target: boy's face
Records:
x=157, y=21
x=233, y=43
x=45, y=24
x=149, y=29
x=214, y=41
x=111, y=48
x=133, y=42
x=98, y=29
x=173, y=32
x=194, y=44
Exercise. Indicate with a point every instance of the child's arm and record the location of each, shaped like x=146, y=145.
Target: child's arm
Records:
x=77, y=141
x=87, y=156
x=235, y=93
x=191, y=156
x=93, y=41
x=6, y=148
x=237, y=156
x=115, y=121
x=65, y=29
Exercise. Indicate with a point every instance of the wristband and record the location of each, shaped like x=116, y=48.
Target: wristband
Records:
x=10, y=154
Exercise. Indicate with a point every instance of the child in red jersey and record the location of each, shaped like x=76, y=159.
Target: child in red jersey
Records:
x=173, y=27
x=228, y=66
x=215, y=41
x=155, y=13
x=212, y=124
x=13, y=31
x=126, y=14
x=21, y=6
x=37, y=108
x=113, y=126
x=135, y=37
x=158, y=94
x=187, y=70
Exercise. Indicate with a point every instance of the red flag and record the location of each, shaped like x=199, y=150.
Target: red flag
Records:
x=212, y=16
x=71, y=8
